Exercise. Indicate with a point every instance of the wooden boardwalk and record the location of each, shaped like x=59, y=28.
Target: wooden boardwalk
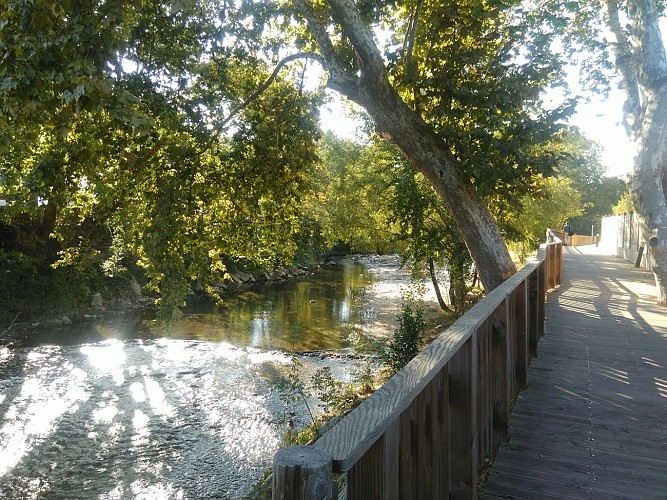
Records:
x=593, y=422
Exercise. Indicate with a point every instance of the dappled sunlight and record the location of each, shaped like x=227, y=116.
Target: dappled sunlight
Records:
x=568, y=392
x=41, y=401
x=613, y=374
x=651, y=363
x=661, y=386
x=185, y=419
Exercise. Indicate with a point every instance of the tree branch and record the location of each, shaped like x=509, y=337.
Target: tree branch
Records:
x=360, y=35
x=409, y=42
x=632, y=108
x=218, y=129
x=339, y=79
x=252, y=97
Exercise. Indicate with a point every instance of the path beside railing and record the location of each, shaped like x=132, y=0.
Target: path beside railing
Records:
x=593, y=421
x=427, y=431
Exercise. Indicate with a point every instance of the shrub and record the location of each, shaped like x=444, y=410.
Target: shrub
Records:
x=406, y=340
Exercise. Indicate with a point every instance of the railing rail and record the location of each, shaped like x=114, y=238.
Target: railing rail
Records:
x=577, y=239
x=427, y=431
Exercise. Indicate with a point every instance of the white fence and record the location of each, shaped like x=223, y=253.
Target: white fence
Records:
x=620, y=235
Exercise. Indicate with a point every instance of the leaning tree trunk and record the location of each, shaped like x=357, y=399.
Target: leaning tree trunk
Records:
x=642, y=66
x=407, y=131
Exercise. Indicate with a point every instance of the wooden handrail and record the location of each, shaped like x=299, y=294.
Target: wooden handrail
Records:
x=446, y=410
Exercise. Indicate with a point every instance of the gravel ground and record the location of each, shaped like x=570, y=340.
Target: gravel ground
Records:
x=384, y=298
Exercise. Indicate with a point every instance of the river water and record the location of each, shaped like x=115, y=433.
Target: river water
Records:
x=117, y=409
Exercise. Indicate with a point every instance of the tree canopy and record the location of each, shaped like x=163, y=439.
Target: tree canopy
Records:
x=186, y=133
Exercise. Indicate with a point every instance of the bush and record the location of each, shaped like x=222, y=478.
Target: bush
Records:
x=407, y=339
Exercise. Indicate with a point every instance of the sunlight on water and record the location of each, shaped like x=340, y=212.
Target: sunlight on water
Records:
x=187, y=419
x=168, y=418
x=137, y=391
x=157, y=398
x=104, y=415
x=43, y=398
x=105, y=356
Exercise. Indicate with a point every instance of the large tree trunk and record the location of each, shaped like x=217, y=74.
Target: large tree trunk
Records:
x=401, y=126
x=642, y=66
x=646, y=185
x=404, y=128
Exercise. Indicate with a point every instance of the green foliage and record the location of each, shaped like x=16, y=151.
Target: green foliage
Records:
x=427, y=230
x=339, y=398
x=347, y=196
x=559, y=202
x=144, y=135
x=294, y=394
x=476, y=71
x=31, y=291
x=624, y=205
x=581, y=164
x=407, y=339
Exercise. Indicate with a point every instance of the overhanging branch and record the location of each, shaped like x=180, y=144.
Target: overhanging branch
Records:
x=339, y=79
x=252, y=97
x=347, y=14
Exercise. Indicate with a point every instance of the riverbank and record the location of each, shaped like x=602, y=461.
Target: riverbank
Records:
x=151, y=408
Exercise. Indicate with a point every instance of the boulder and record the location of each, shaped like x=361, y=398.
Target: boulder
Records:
x=135, y=288
x=97, y=302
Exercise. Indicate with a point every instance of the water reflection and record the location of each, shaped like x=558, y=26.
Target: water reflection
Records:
x=304, y=314
x=119, y=410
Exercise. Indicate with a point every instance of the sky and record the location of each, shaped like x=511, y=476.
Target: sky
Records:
x=600, y=120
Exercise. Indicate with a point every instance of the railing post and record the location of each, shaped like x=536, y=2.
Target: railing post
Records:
x=558, y=278
x=551, y=265
x=541, y=294
x=533, y=313
x=463, y=410
x=303, y=473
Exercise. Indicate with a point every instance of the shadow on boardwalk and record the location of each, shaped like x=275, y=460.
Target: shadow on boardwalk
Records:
x=593, y=421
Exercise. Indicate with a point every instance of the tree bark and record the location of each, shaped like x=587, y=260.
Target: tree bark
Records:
x=642, y=66
x=646, y=187
x=407, y=131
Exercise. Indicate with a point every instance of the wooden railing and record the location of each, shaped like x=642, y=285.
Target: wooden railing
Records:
x=427, y=432
x=577, y=239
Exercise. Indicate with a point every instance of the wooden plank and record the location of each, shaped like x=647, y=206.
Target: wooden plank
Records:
x=532, y=312
x=500, y=369
x=512, y=484
x=375, y=475
x=520, y=340
x=591, y=409
x=424, y=451
x=484, y=390
x=440, y=436
x=462, y=402
x=408, y=482
x=541, y=292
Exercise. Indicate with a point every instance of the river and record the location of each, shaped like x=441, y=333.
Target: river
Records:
x=117, y=409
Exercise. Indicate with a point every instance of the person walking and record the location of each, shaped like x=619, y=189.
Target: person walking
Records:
x=568, y=231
